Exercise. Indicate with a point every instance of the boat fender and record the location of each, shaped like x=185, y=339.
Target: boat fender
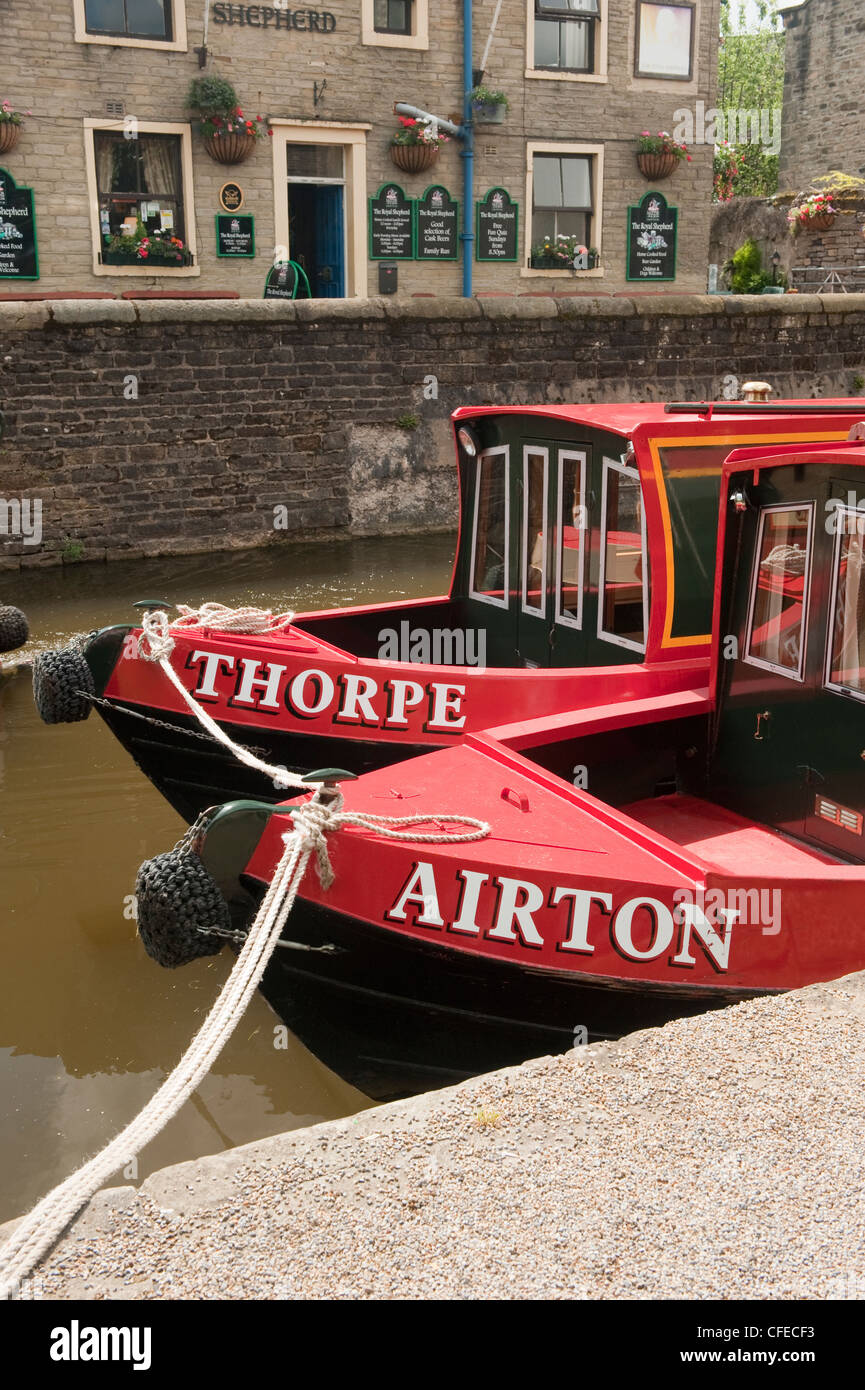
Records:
x=14, y=630
x=62, y=680
x=177, y=901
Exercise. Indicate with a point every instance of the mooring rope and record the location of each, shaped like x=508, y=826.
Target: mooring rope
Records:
x=37, y=1231
x=157, y=644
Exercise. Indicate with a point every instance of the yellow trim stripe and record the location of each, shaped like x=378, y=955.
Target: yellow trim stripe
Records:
x=700, y=441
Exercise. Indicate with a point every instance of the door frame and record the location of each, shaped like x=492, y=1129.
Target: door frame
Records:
x=351, y=136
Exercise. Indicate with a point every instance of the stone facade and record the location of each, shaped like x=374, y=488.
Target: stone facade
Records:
x=166, y=427
x=279, y=73
x=823, y=124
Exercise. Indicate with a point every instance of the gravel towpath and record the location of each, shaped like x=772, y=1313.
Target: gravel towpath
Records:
x=718, y=1157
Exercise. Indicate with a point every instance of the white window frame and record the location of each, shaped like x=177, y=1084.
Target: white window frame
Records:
x=747, y=658
x=524, y=555
x=178, y=44
x=503, y=602
x=91, y=127
x=351, y=135
x=568, y=619
x=418, y=38
x=547, y=74
x=828, y=683
x=603, y=635
x=596, y=152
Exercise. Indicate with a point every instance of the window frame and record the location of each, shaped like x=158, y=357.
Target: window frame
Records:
x=632, y=474
x=177, y=44
x=402, y=33
x=504, y=602
x=601, y=42
x=92, y=126
x=540, y=612
x=828, y=683
x=551, y=147
x=563, y=616
x=418, y=38
x=756, y=661
x=563, y=15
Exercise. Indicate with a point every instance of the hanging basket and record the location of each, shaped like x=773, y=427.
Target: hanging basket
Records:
x=230, y=149
x=413, y=159
x=9, y=133
x=657, y=166
x=489, y=112
x=822, y=223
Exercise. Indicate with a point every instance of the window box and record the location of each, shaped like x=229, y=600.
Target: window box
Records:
x=155, y=264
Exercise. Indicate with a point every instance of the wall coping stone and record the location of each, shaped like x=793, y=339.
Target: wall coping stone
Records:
x=22, y=315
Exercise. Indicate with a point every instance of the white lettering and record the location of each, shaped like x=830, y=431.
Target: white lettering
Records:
x=356, y=702
x=269, y=683
x=212, y=662
x=578, y=934
x=420, y=889
x=444, y=701
x=297, y=697
x=511, y=913
x=406, y=695
x=474, y=882
x=623, y=928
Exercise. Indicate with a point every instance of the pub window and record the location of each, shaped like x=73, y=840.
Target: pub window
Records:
x=779, y=587
x=562, y=206
x=571, y=528
x=491, y=528
x=623, y=597
x=847, y=642
x=131, y=19
x=392, y=16
x=565, y=34
x=139, y=181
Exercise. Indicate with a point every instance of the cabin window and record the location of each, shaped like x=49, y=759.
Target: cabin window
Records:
x=776, y=622
x=623, y=606
x=847, y=641
x=570, y=538
x=491, y=528
x=535, y=530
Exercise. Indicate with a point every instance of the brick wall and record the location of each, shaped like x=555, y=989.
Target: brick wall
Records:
x=167, y=427
x=824, y=116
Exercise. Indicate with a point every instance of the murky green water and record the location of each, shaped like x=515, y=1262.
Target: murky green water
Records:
x=89, y=1026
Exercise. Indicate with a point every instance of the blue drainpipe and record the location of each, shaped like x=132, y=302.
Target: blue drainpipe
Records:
x=467, y=154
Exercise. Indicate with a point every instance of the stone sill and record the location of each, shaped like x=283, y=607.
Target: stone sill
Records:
x=26, y=314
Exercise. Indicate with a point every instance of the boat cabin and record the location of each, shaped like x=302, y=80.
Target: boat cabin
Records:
x=587, y=533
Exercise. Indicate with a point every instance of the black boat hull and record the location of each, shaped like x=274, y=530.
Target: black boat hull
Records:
x=395, y=1016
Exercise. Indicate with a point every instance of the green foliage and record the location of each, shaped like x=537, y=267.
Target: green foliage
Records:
x=840, y=185
x=408, y=421
x=72, y=552
x=486, y=96
x=747, y=275
x=751, y=78
x=212, y=96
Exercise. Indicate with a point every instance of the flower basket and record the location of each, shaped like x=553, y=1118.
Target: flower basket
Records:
x=413, y=159
x=230, y=148
x=657, y=166
x=9, y=133
x=489, y=112
x=821, y=223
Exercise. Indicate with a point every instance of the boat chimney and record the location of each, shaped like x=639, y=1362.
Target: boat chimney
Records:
x=756, y=391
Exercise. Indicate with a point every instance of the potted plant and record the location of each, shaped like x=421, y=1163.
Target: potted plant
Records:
x=559, y=253
x=488, y=107
x=142, y=248
x=229, y=135
x=594, y=257
x=10, y=125
x=416, y=145
x=658, y=155
x=816, y=213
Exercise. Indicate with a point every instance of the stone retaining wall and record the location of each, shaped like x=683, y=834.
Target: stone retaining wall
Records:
x=158, y=427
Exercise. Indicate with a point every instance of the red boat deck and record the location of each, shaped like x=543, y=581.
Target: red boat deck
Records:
x=723, y=839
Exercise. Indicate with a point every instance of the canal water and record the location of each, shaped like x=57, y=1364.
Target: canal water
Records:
x=89, y=1025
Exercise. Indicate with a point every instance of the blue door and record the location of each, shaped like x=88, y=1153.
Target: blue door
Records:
x=329, y=243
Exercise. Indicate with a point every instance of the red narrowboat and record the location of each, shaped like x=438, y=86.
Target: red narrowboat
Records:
x=585, y=558
x=666, y=853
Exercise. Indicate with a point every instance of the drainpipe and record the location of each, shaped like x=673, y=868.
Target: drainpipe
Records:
x=467, y=154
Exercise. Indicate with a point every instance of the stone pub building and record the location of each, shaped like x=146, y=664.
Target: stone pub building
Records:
x=111, y=145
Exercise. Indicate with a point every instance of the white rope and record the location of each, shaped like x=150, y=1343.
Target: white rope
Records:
x=224, y=619
x=157, y=644
x=37, y=1232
